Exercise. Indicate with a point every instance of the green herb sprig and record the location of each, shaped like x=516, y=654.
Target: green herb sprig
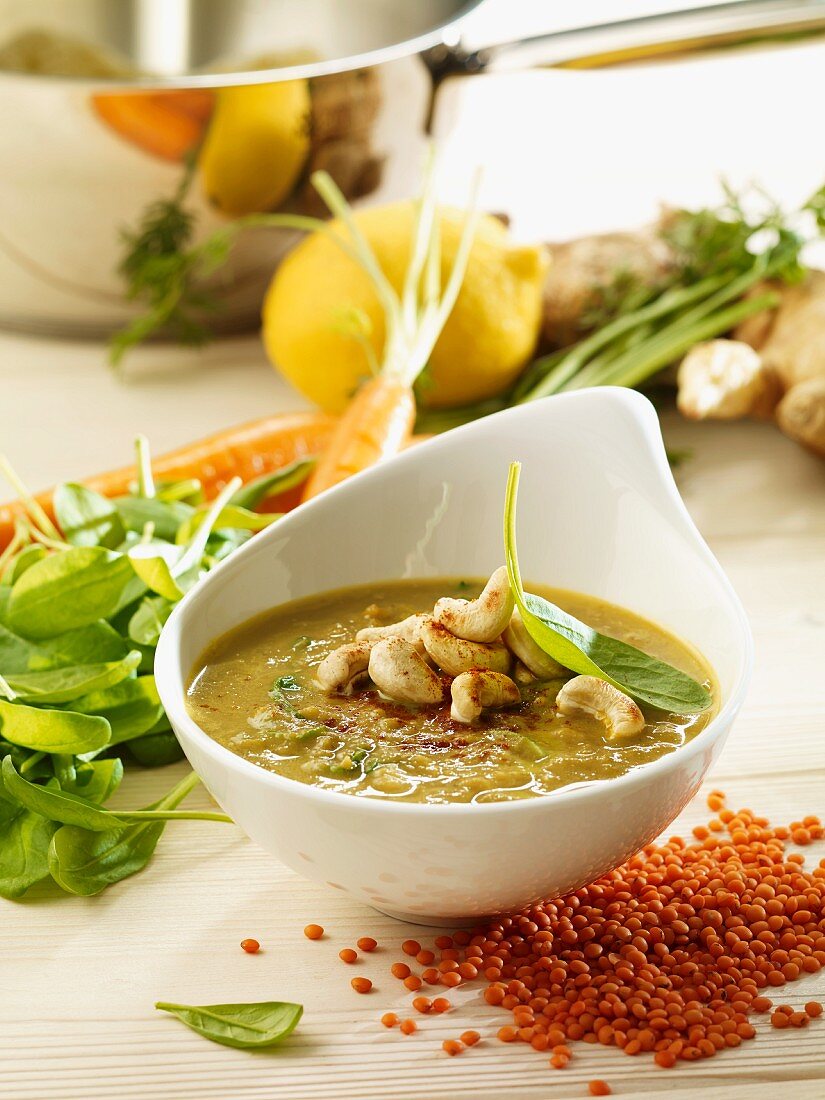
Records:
x=82, y=605
x=245, y=1026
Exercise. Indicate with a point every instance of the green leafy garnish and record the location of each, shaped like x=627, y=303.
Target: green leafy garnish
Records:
x=245, y=1026
x=583, y=650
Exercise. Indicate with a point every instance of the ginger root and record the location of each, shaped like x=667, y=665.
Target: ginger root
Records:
x=774, y=366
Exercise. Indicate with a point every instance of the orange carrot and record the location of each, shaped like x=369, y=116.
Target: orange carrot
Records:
x=247, y=451
x=378, y=423
x=160, y=123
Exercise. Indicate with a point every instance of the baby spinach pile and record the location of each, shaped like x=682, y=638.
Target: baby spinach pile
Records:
x=82, y=605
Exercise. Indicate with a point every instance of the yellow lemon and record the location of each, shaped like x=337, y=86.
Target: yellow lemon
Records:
x=256, y=146
x=319, y=298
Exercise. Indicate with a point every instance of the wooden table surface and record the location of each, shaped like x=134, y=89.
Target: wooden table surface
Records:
x=80, y=976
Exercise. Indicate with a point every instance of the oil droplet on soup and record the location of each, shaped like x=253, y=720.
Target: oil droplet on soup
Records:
x=253, y=691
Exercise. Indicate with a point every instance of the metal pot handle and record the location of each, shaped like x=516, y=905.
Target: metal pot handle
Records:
x=636, y=39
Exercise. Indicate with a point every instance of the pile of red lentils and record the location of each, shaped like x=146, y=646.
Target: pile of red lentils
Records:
x=670, y=954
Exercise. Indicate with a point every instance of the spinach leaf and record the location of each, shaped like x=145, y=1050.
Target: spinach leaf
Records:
x=85, y=862
x=156, y=749
x=231, y=517
x=55, y=804
x=24, y=847
x=103, y=779
x=149, y=619
x=25, y=559
x=270, y=485
x=86, y=518
x=61, y=685
x=583, y=650
x=245, y=1026
x=52, y=731
x=69, y=589
x=95, y=643
x=136, y=512
x=131, y=708
x=155, y=574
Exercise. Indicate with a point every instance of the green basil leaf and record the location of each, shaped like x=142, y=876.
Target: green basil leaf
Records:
x=62, y=685
x=270, y=485
x=155, y=574
x=586, y=652
x=24, y=848
x=136, y=512
x=148, y=621
x=69, y=589
x=131, y=708
x=55, y=804
x=52, y=731
x=86, y=518
x=245, y=1026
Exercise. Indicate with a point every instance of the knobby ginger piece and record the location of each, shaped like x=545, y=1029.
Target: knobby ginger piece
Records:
x=801, y=414
x=725, y=380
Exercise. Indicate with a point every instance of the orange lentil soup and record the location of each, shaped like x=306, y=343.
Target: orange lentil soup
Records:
x=254, y=691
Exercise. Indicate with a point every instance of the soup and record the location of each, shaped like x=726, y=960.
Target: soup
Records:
x=267, y=691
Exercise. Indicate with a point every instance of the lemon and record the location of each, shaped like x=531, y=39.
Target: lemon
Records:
x=256, y=146
x=319, y=298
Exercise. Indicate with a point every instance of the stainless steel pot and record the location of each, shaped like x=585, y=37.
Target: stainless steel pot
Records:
x=104, y=103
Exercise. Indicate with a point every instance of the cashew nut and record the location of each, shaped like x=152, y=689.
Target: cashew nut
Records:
x=340, y=670
x=522, y=674
x=482, y=619
x=402, y=674
x=479, y=688
x=457, y=655
x=518, y=641
x=595, y=698
x=409, y=629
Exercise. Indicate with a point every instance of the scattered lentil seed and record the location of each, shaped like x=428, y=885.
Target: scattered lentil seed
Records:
x=313, y=931
x=361, y=985
x=431, y=976
x=389, y=1019
x=251, y=947
x=422, y=1004
x=366, y=943
x=408, y=1026
x=441, y=1004
x=599, y=1088
x=412, y=982
x=469, y=1038
x=813, y=1008
x=347, y=955
x=452, y=1046
x=400, y=970
x=411, y=947
x=426, y=958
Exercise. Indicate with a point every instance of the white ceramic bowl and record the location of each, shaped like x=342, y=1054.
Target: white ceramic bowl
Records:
x=598, y=512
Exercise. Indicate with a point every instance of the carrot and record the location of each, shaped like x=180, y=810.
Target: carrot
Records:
x=379, y=420
x=247, y=451
x=378, y=423
x=158, y=123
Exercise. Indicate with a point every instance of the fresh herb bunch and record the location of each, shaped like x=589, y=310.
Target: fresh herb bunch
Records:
x=82, y=605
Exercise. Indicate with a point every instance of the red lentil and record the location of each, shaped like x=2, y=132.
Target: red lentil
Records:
x=412, y=982
x=251, y=947
x=411, y=947
x=441, y=1004
x=451, y=979
x=408, y=1026
x=599, y=1088
x=431, y=976
x=347, y=955
x=813, y=1008
x=400, y=970
x=361, y=985
x=426, y=958
x=313, y=931
x=469, y=1038
x=389, y=1019
x=366, y=943
x=452, y=1046
x=422, y=1004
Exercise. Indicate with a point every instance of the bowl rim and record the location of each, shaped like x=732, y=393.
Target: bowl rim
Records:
x=175, y=706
